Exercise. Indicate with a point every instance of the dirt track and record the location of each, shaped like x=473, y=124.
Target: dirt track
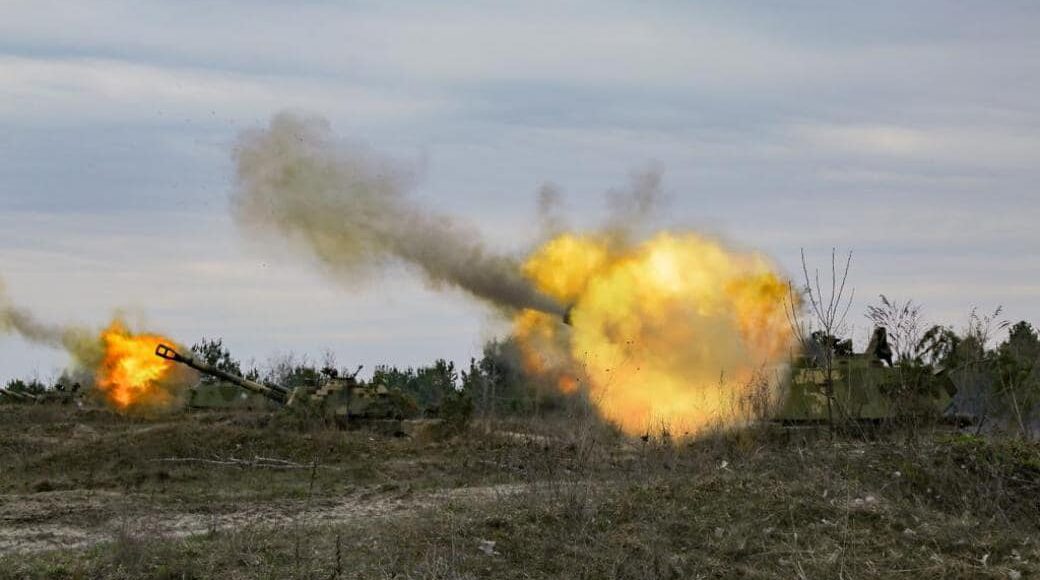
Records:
x=68, y=520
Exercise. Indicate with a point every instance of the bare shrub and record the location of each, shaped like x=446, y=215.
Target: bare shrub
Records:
x=904, y=323
x=818, y=331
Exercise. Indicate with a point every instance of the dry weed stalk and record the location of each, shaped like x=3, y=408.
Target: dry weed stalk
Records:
x=826, y=318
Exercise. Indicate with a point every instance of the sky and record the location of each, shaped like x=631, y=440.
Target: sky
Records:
x=907, y=133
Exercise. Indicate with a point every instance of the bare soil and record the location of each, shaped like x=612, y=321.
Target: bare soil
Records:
x=77, y=519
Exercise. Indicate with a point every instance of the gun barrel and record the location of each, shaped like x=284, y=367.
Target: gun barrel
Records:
x=167, y=352
x=567, y=315
x=19, y=396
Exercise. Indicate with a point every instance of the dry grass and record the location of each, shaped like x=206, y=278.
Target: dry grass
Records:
x=544, y=499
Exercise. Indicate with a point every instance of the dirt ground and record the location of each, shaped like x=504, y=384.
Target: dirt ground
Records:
x=77, y=519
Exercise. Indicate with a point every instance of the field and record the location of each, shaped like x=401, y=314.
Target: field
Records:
x=88, y=494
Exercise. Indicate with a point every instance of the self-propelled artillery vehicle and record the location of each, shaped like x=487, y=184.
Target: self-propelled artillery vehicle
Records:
x=861, y=387
x=341, y=400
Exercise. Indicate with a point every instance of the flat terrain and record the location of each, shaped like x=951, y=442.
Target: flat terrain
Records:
x=89, y=494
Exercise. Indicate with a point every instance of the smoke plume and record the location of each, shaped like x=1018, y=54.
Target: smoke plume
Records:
x=631, y=210
x=79, y=342
x=550, y=204
x=351, y=210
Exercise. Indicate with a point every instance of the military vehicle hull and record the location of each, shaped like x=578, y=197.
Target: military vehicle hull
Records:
x=864, y=389
x=224, y=395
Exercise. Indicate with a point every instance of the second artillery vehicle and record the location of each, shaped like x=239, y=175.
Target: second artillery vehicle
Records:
x=860, y=387
x=341, y=400
x=15, y=396
x=59, y=395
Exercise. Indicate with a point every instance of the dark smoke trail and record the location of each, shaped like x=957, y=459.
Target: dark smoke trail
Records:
x=350, y=210
x=80, y=343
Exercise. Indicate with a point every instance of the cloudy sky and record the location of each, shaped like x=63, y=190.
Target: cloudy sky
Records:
x=906, y=132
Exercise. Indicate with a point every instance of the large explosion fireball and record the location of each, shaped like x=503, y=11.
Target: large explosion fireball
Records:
x=674, y=333
x=120, y=364
x=131, y=376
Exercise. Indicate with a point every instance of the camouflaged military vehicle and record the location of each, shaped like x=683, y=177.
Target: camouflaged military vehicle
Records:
x=62, y=394
x=59, y=395
x=863, y=386
x=13, y=396
x=343, y=401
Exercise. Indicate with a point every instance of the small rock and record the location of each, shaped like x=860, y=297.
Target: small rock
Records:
x=488, y=547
